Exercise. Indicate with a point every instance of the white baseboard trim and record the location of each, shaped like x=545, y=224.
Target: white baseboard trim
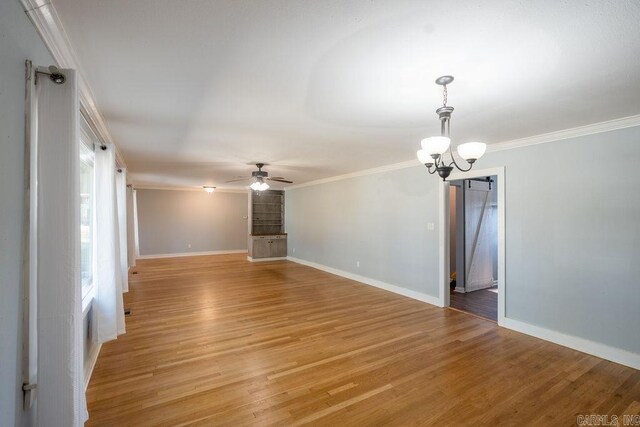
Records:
x=93, y=358
x=459, y=289
x=281, y=258
x=420, y=296
x=623, y=357
x=181, y=254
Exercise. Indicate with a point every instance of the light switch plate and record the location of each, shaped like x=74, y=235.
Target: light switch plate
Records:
x=431, y=226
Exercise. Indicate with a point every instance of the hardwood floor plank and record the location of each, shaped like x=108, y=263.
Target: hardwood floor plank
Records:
x=216, y=340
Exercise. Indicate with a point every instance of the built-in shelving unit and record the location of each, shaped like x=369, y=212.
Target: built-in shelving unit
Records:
x=267, y=238
x=267, y=212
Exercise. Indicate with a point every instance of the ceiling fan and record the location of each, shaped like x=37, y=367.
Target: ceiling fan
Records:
x=259, y=177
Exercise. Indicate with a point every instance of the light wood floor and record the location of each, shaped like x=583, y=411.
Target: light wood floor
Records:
x=220, y=341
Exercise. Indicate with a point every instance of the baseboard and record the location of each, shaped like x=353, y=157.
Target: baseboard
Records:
x=281, y=258
x=93, y=358
x=181, y=254
x=459, y=289
x=623, y=357
x=373, y=282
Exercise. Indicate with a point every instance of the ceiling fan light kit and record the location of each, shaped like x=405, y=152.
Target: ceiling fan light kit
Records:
x=259, y=177
x=259, y=185
x=208, y=188
x=435, y=148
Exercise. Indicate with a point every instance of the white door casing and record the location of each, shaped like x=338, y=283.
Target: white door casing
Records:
x=499, y=172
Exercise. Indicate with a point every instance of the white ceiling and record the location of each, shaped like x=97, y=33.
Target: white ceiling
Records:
x=195, y=91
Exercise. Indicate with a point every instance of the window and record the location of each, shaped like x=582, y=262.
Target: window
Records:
x=86, y=217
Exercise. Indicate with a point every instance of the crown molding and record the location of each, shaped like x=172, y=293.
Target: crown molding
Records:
x=199, y=189
x=45, y=18
x=372, y=171
x=607, y=126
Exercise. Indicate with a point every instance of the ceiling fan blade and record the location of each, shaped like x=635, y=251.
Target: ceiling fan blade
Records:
x=276, y=177
x=280, y=180
x=238, y=179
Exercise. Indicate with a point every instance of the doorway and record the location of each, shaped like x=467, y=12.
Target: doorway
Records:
x=472, y=243
x=473, y=246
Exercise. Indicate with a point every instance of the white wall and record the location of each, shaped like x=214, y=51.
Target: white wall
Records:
x=572, y=232
x=171, y=220
x=18, y=41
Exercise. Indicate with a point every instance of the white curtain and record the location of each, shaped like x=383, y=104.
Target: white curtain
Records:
x=121, y=196
x=60, y=392
x=131, y=239
x=108, y=321
x=136, y=235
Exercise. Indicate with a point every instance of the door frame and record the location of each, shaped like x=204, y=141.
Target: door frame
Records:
x=444, y=235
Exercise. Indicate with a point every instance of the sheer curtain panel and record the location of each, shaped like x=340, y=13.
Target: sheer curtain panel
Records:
x=107, y=305
x=131, y=239
x=121, y=196
x=60, y=389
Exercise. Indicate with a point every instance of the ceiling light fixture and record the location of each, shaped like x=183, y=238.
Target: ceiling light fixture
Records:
x=259, y=177
x=259, y=185
x=435, y=147
x=209, y=189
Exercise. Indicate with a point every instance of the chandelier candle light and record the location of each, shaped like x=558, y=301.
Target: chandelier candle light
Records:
x=435, y=147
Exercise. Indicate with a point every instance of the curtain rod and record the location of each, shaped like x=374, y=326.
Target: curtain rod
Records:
x=54, y=74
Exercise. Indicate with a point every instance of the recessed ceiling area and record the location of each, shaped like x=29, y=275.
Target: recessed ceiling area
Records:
x=195, y=92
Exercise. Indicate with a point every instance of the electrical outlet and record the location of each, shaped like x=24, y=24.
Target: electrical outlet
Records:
x=431, y=226
x=189, y=246
x=358, y=264
x=294, y=250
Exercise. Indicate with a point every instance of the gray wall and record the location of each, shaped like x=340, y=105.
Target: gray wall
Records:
x=170, y=220
x=18, y=41
x=379, y=220
x=572, y=232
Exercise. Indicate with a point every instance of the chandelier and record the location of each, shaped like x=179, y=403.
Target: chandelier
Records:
x=434, y=148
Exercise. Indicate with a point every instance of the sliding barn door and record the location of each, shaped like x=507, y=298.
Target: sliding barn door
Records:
x=480, y=234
